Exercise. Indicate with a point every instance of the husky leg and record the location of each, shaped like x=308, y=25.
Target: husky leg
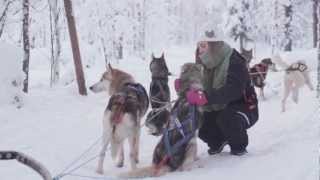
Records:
x=308, y=81
x=295, y=94
x=136, y=146
x=287, y=90
x=191, y=155
x=105, y=143
x=121, y=156
x=133, y=152
x=262, y=94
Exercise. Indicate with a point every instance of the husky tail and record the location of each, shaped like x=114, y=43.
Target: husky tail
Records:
x=149, y=171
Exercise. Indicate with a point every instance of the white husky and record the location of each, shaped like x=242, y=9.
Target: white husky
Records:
x=296, y=76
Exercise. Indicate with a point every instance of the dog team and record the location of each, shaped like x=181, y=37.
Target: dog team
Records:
x=216, y=101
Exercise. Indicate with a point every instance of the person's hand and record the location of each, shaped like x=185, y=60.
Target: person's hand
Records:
x=196, y=97
x=177, y=85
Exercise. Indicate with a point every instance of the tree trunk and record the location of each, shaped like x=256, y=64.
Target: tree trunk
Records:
x=26, y=44
x=318, y=85
x=55, y=41
x=315, y=22
x=288, y=27
x=75, y=47
x=241, y=40
x=3, y=17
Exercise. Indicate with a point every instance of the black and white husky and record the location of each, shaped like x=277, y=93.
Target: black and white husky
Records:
x=128, y=104
x=159, y=96
x=177, y=148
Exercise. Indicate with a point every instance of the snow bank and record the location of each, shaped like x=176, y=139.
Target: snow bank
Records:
x=10, y=74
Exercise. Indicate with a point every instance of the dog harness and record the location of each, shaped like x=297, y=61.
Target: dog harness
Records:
x=181, y=127
x=297, y=67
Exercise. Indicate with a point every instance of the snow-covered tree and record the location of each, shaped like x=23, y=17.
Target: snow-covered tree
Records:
x=241, y=23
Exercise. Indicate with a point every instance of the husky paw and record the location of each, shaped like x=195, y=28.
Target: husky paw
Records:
x=99, y=171
x=120, y=164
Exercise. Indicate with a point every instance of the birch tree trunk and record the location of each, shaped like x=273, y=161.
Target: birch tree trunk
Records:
x=3, y=16
x=26, y=44
x=75, y=47
x=55, y=38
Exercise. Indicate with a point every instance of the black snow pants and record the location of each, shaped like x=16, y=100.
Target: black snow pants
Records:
x=229, y=124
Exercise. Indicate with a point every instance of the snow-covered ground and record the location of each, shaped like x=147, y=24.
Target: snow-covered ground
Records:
x=56, y=125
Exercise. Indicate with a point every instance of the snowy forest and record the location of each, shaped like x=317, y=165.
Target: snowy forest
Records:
x=52, y=51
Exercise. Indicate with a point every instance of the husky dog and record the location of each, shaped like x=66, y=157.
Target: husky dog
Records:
x=296, y=76
x=127, y=105
x=258, y=74
x=247, y=54
x=159, y=89
x=159, y=96
x=180, y=155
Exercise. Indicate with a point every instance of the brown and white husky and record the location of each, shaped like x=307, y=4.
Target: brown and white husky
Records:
x=184, y=154
x=128, y=104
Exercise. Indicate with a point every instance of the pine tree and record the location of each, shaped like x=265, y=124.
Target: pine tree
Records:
x=240, y=23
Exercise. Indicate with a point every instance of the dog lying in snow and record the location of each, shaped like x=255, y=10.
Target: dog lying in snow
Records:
x=167, y=155
x=128, y=104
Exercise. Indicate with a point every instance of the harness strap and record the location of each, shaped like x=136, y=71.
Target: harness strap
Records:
x=297, y=67
x=172, y=149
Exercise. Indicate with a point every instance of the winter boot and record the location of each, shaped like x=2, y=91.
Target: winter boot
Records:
x=213, y=151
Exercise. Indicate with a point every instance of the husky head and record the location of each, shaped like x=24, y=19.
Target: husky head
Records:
x=247, y=54
x=104, y=82
x=158, y=67
x=191, y=76
x=270, y=64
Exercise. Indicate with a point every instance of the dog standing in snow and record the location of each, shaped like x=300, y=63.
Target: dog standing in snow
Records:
x=258, y=74
x=128, y=104
x=296, y=76
x=159, y=95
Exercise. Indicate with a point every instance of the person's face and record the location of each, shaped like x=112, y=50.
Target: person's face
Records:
x=203, y=47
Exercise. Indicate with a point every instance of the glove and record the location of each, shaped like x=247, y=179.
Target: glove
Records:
x=177, y=85
x=196, y=97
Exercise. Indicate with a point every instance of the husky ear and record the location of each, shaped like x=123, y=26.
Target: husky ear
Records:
x=152, y=56
x=109, y=67
x=162, y=55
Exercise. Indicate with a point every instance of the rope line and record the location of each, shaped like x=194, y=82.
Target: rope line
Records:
x=63, y=172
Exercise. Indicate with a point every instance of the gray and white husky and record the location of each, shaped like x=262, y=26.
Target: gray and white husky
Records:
x=186, y=153
x=128, y=104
